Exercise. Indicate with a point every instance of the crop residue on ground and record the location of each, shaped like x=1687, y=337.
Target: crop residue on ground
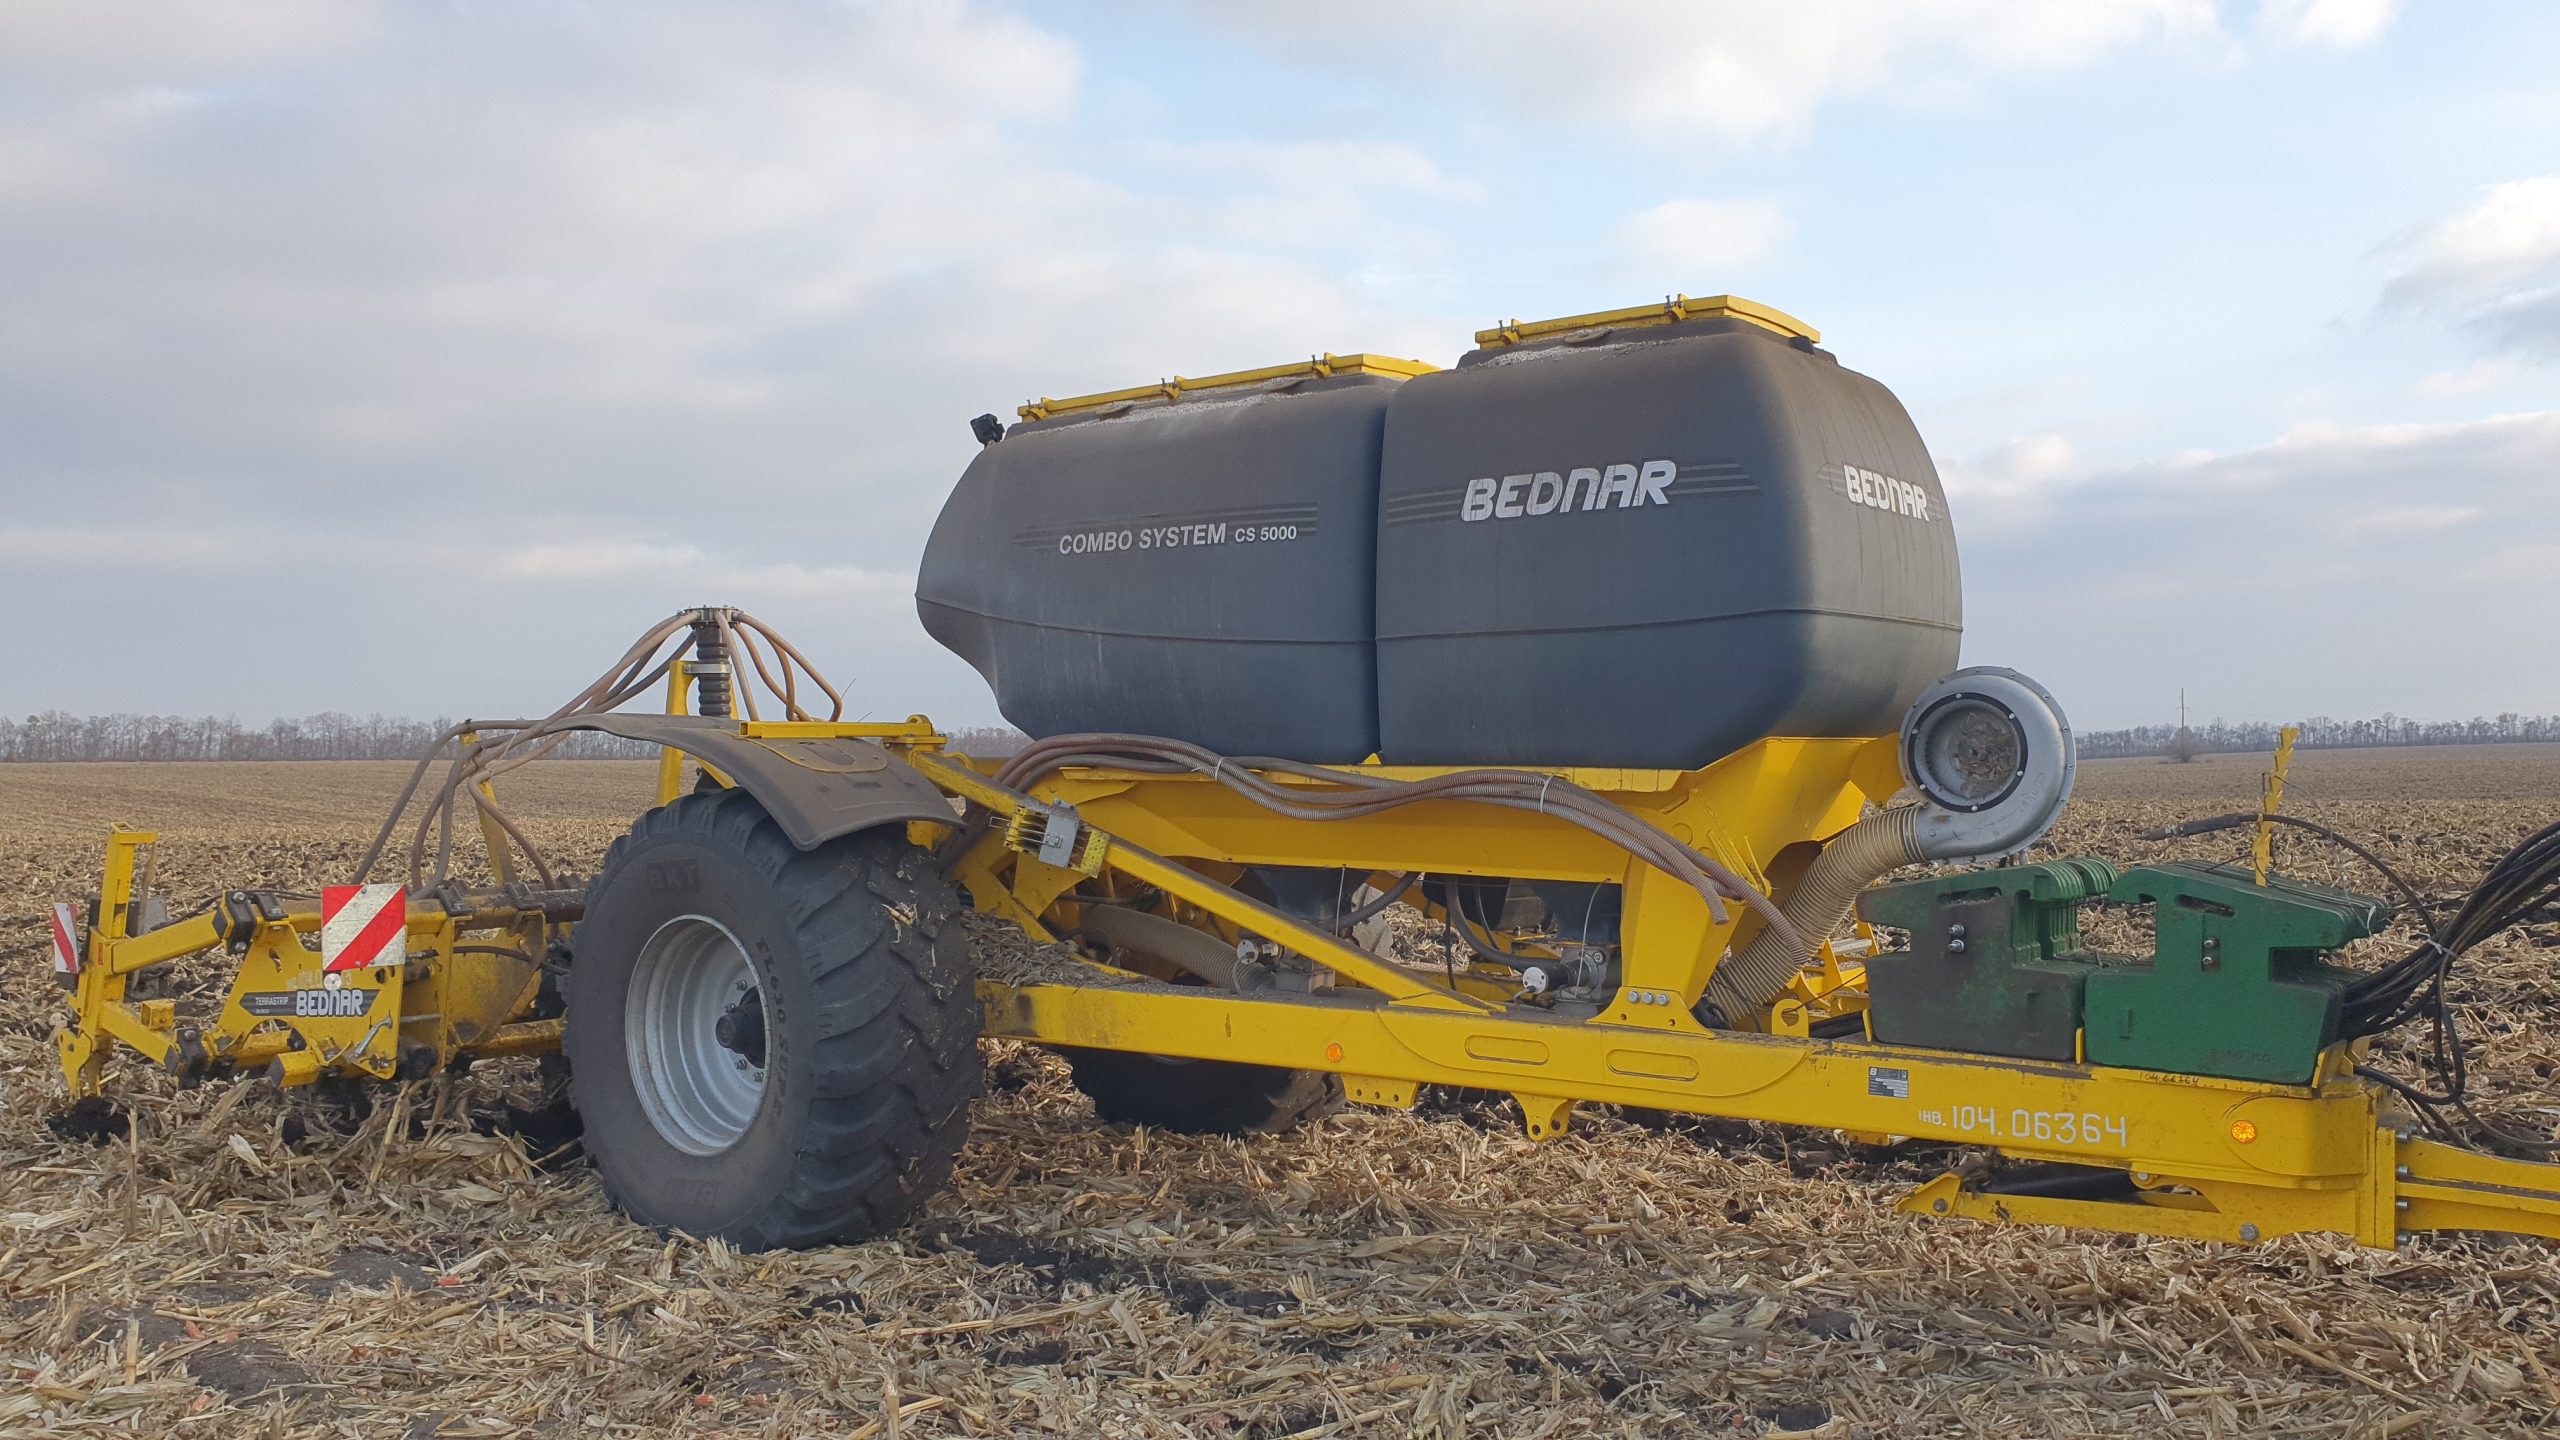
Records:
x=433, y=1265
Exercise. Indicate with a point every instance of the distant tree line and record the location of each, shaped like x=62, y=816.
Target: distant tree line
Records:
x=330, y=735
x=2320, y=733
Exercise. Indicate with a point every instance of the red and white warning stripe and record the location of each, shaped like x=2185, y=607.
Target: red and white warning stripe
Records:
x=362, y=926
x=66, y=940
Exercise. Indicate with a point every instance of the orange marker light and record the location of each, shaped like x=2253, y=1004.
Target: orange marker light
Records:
x=1333, y=1052
x=2244, y=1131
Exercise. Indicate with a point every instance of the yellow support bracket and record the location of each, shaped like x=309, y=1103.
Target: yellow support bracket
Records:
x=1398, y=984
x=2262, y=844
x=2444, y=1187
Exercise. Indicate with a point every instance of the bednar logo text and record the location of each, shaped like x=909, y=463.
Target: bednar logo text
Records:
x=362, y=926
x=1869, y=487
x=348, y=1002
x=1586, y=487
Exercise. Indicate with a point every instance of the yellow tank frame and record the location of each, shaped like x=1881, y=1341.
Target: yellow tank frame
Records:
x=2203, y=1158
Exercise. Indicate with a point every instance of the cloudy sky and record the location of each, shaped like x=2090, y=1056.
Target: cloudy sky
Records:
x=411, y=357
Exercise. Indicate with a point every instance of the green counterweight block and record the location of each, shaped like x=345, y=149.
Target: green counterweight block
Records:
x=2239, y=985
x=1990, y=970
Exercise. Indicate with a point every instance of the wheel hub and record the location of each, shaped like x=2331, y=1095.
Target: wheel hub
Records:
x=741, y=1030
x=696, y=1035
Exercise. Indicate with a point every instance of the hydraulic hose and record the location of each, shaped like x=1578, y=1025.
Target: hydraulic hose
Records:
x=1745, y=983
x=1349, y=793
x=511, y=744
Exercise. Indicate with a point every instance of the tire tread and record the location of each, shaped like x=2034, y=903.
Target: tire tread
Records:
x=894, y=1053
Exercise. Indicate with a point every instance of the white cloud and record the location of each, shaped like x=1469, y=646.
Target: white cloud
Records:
x=2019, y=466
x=2493, y=267
x=1688, y=245
x=687, y=564
x=2318, y=556
x=95, y=551
x=2511, y=237
x=2479, y=375
x=83, y=41
x=1735, y=70
x=2326, y=22
x=633, y=309
x=2011, y=488
x=2393, y=520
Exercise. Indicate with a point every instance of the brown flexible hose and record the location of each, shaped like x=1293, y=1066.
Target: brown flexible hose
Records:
x=1752, y=978
x=1356, y=795
x=518, y=743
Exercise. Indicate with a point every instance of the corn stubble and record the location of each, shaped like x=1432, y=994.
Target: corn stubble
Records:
x=431, y=1261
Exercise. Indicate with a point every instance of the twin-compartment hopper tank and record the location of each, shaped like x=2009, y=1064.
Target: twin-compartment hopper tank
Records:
x=1642, y=538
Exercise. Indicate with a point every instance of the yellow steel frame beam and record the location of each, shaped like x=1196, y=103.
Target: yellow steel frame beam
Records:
x=1745, y=810
x=2210, y=1158
x=2203, y=1157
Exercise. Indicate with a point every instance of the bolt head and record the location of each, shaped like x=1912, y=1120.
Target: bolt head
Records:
x=2248, y=1232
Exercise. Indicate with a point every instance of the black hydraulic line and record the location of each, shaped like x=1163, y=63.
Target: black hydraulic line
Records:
x=2520, y=885
x=2408, y=892
x=1376, y=906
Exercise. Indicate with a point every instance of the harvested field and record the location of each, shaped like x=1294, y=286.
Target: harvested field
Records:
x=439, y=1265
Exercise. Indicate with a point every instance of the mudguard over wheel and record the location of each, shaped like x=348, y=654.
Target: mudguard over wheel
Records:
x=1202, y=1097
x=774, y=1046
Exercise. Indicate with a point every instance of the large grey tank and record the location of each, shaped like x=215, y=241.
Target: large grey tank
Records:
x=1650, y=538
x=1196, y=559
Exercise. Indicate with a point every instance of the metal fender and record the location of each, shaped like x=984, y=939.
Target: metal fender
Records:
x=815, y=788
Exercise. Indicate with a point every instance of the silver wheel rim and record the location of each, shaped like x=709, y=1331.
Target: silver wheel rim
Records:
x=699, y=1094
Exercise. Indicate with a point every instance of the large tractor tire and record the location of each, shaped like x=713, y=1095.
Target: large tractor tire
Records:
x=1196, y=1097
x=1202, y=1097
x=774, y=1046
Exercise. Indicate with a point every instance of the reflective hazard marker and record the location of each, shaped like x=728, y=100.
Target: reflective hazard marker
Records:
x=362, y=926
x=66, y=943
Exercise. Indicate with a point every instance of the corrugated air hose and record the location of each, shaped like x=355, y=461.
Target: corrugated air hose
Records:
x=1753, y=977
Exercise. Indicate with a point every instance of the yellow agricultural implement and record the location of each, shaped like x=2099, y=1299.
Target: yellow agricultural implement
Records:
x=1680, y=537
x=2189, y=1155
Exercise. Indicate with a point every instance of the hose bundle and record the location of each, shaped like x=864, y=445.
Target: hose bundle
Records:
x=2520, y=886
x=1351, y=794
x=521, y=742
